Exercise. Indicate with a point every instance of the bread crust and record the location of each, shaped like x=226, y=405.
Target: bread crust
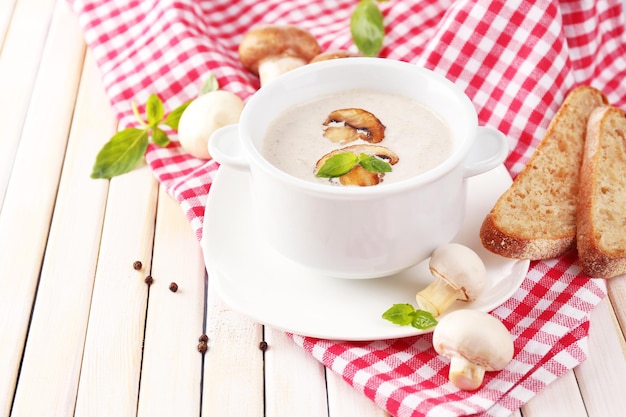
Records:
x=596, y=258
x=502, y=231
x=509, y=245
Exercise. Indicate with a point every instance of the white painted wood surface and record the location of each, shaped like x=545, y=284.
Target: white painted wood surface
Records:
x=82, y=334
x=606, y=362
x=569, y=402
x=172, y=365
x=53, y=355
x=345, y=401
x=20, y=56
x=286, y=366
x=35, y=70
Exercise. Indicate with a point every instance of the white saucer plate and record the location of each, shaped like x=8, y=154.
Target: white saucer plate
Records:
x=257, y=281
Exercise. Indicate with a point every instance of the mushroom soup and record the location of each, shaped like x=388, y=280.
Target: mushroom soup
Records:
x=357, y=137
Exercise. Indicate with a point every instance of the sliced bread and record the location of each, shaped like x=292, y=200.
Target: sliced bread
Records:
x=536, y=217
x=601, y=216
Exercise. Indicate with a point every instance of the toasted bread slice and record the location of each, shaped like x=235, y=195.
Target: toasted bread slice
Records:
x=601, y=216
x=536, y=217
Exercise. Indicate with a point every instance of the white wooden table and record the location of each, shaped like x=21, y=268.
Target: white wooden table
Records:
x=82, y=334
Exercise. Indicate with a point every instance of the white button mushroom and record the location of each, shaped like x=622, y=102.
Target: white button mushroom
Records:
x=475, y=342
x=459, y=274
x=271, y=50
x=205, y=115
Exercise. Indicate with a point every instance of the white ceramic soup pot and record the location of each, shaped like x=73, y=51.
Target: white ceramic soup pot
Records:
x=351, y=231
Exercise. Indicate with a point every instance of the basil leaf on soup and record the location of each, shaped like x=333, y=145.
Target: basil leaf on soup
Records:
x=373, y=164
x=337, y=165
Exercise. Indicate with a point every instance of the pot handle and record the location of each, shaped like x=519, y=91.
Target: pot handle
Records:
x=225, y=147
x=489, y=150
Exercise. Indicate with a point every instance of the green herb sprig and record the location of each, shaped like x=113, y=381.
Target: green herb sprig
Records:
x=406, y=314
x=123, y=152
x=367, y=27
x=343, y=162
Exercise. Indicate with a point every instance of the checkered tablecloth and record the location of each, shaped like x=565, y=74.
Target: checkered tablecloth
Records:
x=515, y=59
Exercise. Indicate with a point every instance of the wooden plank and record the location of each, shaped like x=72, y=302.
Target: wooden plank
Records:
x=560, y=398
x=602, y=377
x=109, y=380
x=53, y=353
x=233, y=364
x=294, y=380
x=617, y=294
x=175, y=319
x=19, y=62
x=6, y=12
x=31, y=194
x=344, y=400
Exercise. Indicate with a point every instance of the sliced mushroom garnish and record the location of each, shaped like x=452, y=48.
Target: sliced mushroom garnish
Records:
x=347, y=125
x=358, y=175
x=374, y=150
x=343, y=134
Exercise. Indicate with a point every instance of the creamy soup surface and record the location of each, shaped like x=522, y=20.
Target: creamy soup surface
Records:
x=295, y=141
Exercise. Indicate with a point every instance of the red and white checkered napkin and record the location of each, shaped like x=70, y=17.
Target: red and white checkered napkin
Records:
x=515, y=59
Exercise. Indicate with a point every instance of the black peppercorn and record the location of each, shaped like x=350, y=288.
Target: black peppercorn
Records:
x=203, y=338
x=149, y=280
x=202, y=347
x=137, y=265
x=263, y=345
x=173, y=287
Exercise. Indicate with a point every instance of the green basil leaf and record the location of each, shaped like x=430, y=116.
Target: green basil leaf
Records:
x=121, y=153
x=373, y=164
x=173, y=118
x=423, y=320
x=401, y=314
x=210, y=84
x=159, y=137
x=367, y=27
x=154, y=110
x=337, y=165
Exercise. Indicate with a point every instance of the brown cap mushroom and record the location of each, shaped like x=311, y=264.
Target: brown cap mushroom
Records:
x=334, y=54
x=459, y=274
x=475, y=342
x=271, y=50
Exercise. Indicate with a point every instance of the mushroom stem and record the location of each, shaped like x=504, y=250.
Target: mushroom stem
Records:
x=273, y=67
x=464, y=374
x=437, y=297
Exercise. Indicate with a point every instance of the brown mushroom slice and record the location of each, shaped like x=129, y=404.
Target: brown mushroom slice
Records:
x=343, y=134
x=334, y=54
x=271, y=50
x=374, y=150
x=359, y=176
x=366, y=125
